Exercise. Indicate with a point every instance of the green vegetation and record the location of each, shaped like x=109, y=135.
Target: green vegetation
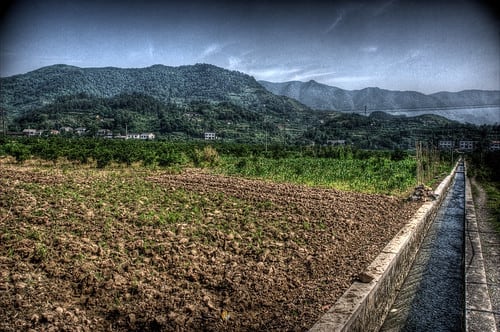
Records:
x=374, y=175
x=388, y=172
x=380, y=130
x=493, y=193
x=182, y=103
x=173, y=102
x=142, y=113
x=270, y=124
x=485, y=167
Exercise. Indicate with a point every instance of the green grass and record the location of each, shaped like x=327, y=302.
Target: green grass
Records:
x=493, y=203
x=343, y=168
x=372, y=175
x=483, y=166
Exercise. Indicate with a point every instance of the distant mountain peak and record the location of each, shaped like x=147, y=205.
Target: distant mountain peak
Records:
x=387, y=99
x=323, y=97
x=56, y=67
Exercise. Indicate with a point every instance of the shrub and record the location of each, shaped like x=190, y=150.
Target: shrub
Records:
x=207, y=157
x=19, y=151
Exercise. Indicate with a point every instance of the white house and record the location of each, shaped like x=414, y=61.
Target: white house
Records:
x=133, y=136
x=210, y=136
x=147, y=136
x=335, y=142
x=66, y=129
x=80, y=130
x=466, y=145
x=143, y=136
x=446, y=145
x=31, y=132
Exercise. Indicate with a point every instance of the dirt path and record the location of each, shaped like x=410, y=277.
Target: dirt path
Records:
x=490, y=244
x=87, y=250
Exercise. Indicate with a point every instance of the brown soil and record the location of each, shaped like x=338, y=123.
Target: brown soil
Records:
x=253, y=255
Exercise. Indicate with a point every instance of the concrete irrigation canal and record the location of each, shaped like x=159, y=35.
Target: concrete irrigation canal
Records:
x=430, y=277
x=432, y=296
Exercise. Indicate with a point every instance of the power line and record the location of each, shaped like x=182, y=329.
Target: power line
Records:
x=415, y=109
x=3, y=121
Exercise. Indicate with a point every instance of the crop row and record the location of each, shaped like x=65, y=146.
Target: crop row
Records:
x=392, y=172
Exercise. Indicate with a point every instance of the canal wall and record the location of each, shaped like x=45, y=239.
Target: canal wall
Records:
x=364, y=306
x=478, y=309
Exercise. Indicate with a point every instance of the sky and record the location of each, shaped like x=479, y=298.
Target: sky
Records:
x=420, y=45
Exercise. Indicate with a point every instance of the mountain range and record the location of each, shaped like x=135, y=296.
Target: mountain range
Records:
x=183, y=102
x=464, y=106
x=207, y=82
x=325, y=97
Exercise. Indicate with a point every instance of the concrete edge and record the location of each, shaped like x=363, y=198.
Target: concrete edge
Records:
x=478, y=310
x=364, y=306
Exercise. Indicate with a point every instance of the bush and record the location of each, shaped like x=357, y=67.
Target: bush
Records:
x=103, y=157
x=19, y=151
x=208, y=157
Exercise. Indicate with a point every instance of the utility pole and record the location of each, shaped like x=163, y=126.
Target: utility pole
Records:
x=3, y=121
x=284, y=131
x=264, y=126
x=266, y=139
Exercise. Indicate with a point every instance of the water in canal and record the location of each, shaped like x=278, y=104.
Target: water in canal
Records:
x=432, y=296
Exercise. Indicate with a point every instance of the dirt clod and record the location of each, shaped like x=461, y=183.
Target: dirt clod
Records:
x=202, y=252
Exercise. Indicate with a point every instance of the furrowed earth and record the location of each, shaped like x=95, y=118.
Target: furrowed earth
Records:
x=127, y=249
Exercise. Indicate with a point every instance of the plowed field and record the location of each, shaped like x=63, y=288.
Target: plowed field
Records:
x=133, y=249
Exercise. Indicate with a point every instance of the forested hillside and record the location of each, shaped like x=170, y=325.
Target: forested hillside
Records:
x=380, y=130
x=172, y=101
x=178, y=85
x=182, y=103
x=138, y=112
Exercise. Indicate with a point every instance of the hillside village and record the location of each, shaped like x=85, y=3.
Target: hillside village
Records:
x=204, y=102
x=102, y=133
x=443, y=145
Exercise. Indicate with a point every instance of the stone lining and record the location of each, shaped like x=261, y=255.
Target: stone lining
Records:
x=479, y=314
x=364, y=306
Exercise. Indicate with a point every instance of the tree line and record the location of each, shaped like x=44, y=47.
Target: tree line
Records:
x=103, y=152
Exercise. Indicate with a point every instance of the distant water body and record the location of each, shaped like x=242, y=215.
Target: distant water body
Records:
x=476, y=115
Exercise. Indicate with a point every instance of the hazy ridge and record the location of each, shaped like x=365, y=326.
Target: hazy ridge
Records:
x=465, y=104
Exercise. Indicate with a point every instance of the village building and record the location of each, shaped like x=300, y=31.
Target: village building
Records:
x=466, y=145
x=106, y=133
x=446, y=145
x=80, y=130
x=32, y=132
x=495, y=146
x=143, y=136
x=66, y=130
x=133, y=136
x=210, y=136
x=335, y=142
x=147, y=136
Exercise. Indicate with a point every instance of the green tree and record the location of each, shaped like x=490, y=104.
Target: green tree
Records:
x=18, y=150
